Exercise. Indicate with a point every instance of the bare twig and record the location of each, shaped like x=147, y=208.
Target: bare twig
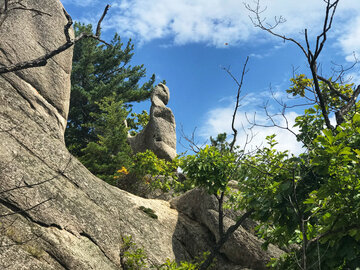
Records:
x=21, y=211
x=259, y=22
x=311, y=56
x=332, y=88
x=42, y=60
x=239, y=84
x=193, y=145
x=98, y=28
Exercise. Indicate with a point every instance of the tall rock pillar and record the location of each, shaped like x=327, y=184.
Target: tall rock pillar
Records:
x=159, y=135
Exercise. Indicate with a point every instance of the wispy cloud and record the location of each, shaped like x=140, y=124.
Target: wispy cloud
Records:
x=218, y=120
x=349, y=39
x=218, y=22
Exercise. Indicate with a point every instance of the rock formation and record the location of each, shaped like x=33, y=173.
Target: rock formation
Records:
x=26, y=35
x=159, y=135
x=243, y=248
x=54, y=214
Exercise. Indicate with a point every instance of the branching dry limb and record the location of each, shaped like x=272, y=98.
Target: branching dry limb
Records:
x=311, y=56
x=42, y=60
x=237, y=105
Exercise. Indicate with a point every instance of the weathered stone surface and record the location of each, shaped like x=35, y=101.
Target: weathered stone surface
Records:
x=26, y=35
x=159, y=135
x=243, y=248
x=54, y=213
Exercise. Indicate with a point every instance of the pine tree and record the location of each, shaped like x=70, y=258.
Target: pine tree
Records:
x=100, y=71
x=110, y=151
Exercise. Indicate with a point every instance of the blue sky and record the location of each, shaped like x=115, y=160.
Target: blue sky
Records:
x=188, y=43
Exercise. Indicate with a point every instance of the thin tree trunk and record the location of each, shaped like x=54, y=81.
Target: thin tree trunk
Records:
x=223, y=240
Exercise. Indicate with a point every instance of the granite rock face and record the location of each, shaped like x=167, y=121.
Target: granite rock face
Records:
x=26, y=35
x=54, y=214
x=159, y=135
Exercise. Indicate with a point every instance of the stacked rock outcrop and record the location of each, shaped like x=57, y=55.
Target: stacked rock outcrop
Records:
x=159, y=135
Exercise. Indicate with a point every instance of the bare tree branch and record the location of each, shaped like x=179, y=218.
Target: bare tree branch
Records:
x=239, y=84
x=98, y=28
x=258, y=22
x=193, y=145
x=310, y=55
x=42, y=60
x=23, y=210
x=331, y=87
x=347, y=107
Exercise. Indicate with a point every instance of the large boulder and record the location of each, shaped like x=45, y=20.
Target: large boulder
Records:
x=243, y=248
x=159, y=135
x=54, y=214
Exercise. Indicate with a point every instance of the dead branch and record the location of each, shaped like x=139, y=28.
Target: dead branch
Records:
x=223, y=240
x=237, y=105
x=259, y=22
x=193, y=144
x=42, y=60
x=311, y=56
x=332, y=89
x=26, y=185
x=10, y=6
x=22, y=211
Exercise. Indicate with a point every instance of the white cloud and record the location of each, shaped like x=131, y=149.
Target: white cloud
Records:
x=216, y=22
x=349, y=39
x=218, y=120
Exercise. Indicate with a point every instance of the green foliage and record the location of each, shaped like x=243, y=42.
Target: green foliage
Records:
x=210, y=168
x=309, y=205
x=171, y=265
x=220, y=142
x=155, y=172
x=100, y=71
x=319, y=190
x=133, y=258
x=336, y=203
x=310, y=125
x=301, y=85
x=312, y=200
x=137, y=121
x=103, y=83
x=110, y=151
x=110, y=157
x=148, y=211
x=148, y=163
